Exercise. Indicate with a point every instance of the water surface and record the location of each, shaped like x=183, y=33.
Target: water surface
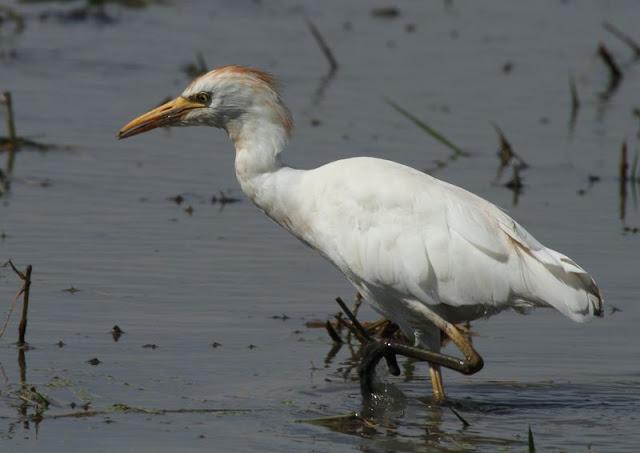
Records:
x=99, y=218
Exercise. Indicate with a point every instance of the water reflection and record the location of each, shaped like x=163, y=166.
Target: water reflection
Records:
x=27, y=401
x=325, y=80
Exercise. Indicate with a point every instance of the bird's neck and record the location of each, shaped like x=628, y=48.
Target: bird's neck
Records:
x=258, y=145
x=272, y=186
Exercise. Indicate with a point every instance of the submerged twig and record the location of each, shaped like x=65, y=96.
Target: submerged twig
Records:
x=326, y=50
x=622, y=180
x=575, y=102
x=465, y=423
x=623, y=37
x=624, y=164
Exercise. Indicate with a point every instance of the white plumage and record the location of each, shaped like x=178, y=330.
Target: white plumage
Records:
x=407, y=241
x=402, y=236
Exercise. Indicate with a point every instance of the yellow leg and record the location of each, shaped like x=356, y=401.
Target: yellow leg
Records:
x=436, y=384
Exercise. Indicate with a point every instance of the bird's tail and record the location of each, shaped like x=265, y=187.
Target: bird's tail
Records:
x=556, y=280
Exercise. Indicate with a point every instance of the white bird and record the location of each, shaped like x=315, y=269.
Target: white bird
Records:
x=426, y=254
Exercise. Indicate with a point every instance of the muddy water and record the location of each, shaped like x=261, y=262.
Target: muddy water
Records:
x=99, y=219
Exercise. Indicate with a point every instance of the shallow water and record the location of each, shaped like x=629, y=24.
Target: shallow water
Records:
x=103, y=223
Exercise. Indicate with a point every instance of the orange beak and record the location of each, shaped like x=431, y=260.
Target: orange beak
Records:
x=165, y=115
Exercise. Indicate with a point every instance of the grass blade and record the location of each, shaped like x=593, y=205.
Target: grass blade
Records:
x=532, y=445
x=457, y=151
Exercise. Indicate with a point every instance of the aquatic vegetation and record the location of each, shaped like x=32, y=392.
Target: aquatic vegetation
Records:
x=95, y=10
x=10, y=16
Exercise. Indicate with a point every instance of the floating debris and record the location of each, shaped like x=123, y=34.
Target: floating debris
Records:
x=193, y=70
x=385, y=12
x=282, y=316
x=117, y=332
x=71, y=290
x=612, y=308
x=215, y=344
x=178, y=199
x=8, y=14
x=591, y=181
x=94, y=362
x=150, y=346
x=92, y=10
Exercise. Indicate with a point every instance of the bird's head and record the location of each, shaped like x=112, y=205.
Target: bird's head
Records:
x=231, y=97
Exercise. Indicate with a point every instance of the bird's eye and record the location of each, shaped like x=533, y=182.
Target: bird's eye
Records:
x=203, y=97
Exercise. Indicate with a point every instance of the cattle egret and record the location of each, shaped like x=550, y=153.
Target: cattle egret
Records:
x=426, y=254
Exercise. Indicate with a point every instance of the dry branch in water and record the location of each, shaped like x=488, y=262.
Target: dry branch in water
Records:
x=24, y=292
